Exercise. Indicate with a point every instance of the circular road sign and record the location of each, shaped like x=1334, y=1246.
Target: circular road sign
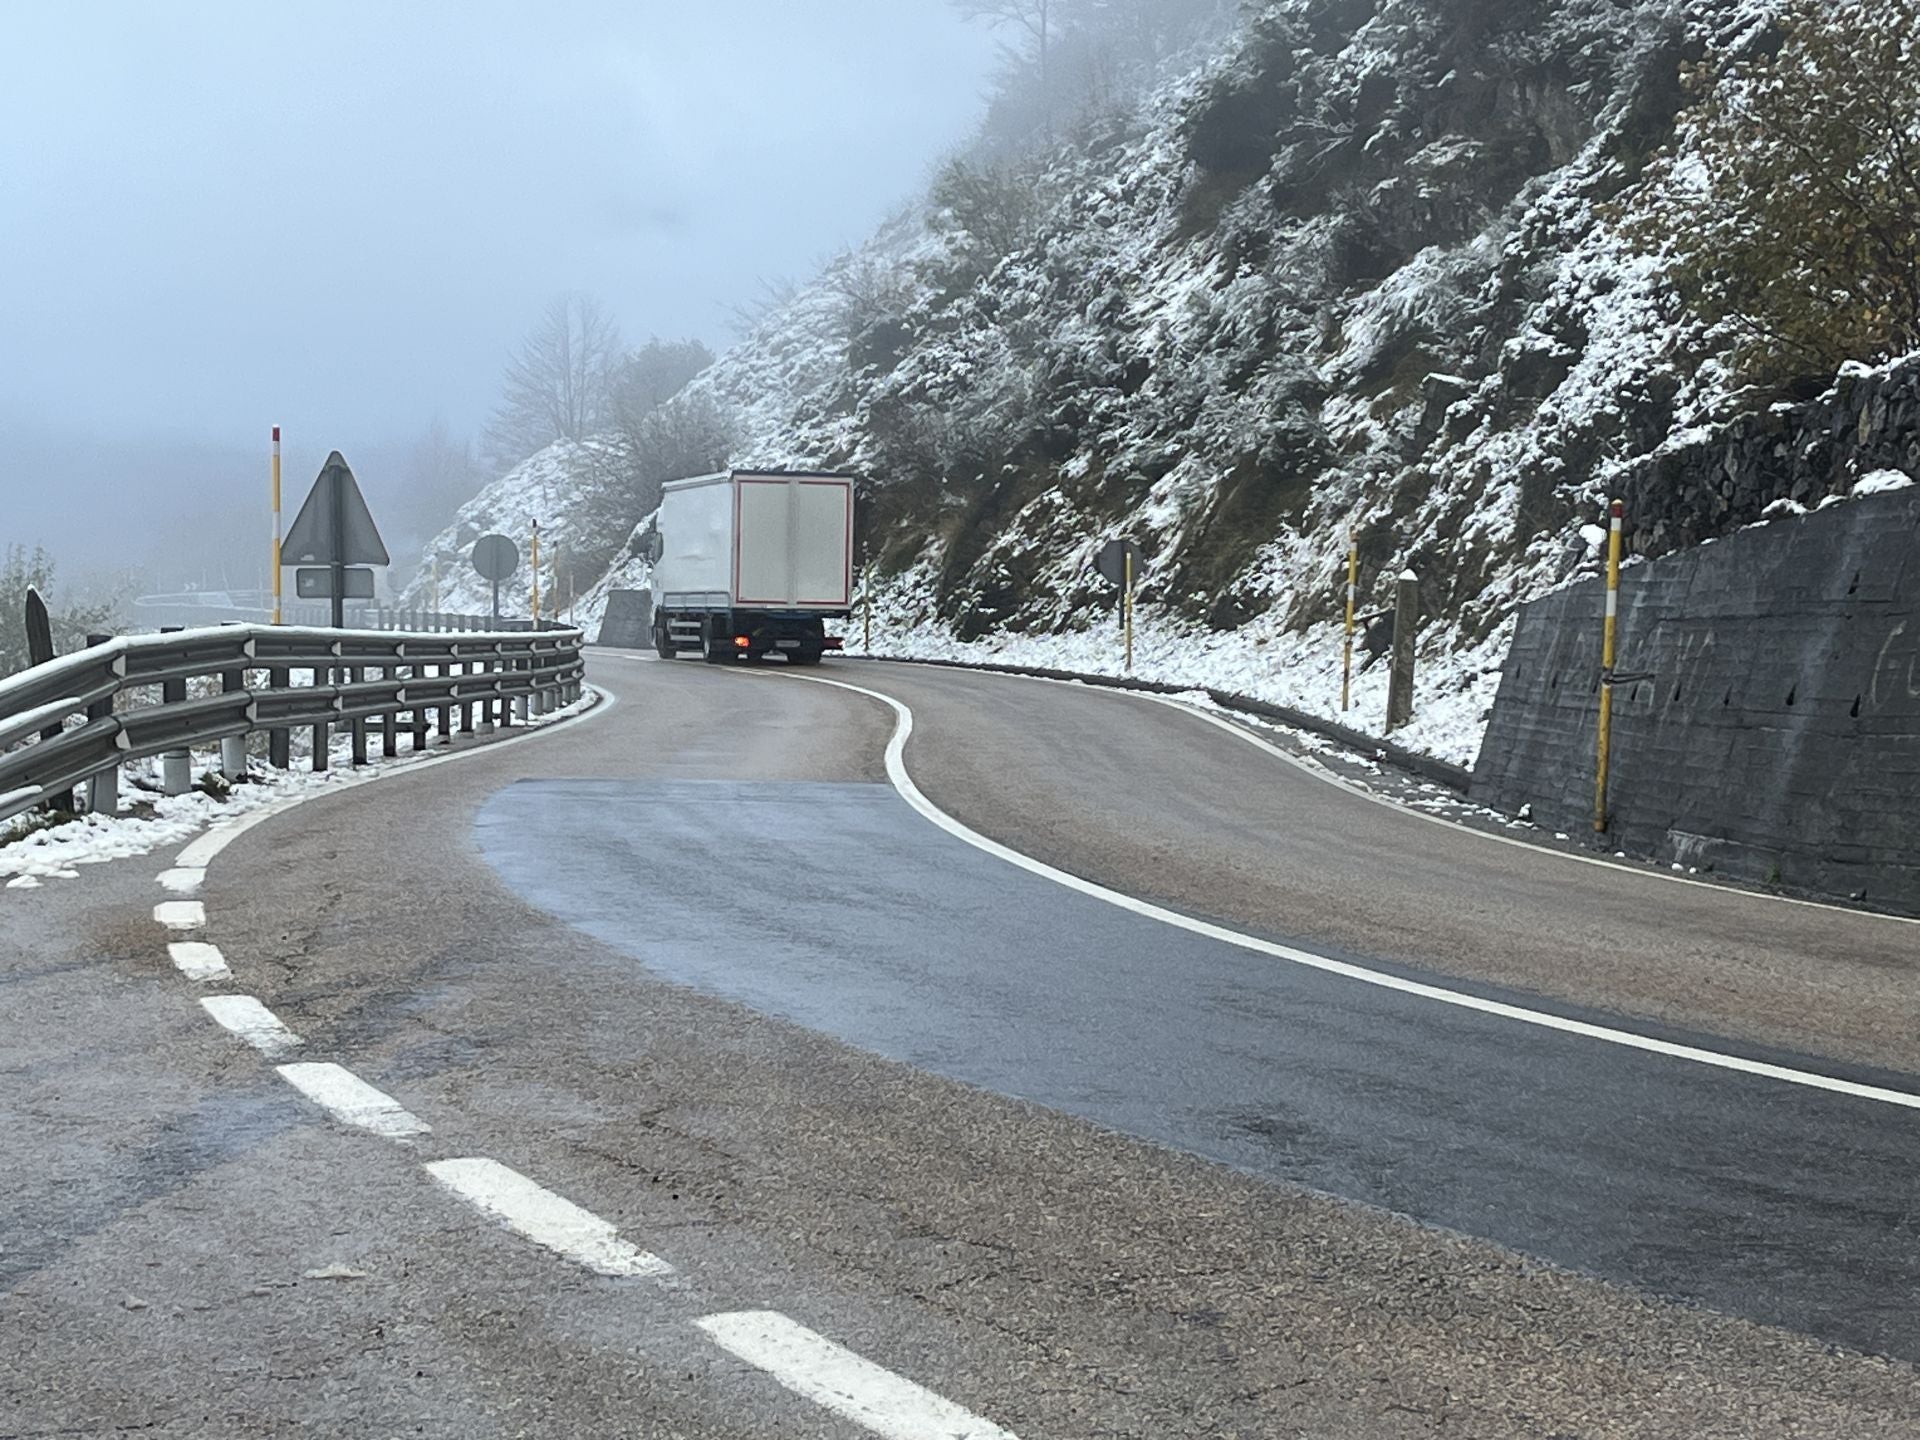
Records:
x=495, y=557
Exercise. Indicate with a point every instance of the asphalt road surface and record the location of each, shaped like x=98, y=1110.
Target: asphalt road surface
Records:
x=693, y=1084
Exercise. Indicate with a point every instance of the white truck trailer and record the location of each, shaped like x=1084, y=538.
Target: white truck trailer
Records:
x=752, y=563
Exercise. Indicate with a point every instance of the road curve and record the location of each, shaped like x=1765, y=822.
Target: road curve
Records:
x=1148, y=800
x=257, y=1266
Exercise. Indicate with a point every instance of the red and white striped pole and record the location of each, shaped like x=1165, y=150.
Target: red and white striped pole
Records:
x=276, y=525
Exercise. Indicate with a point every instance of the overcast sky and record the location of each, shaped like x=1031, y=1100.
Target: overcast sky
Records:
x=341, y=217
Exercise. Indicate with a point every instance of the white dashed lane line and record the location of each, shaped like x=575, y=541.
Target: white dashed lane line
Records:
x=199, y=961
x=546, y=1218
x=352, y=1101
x=182, y=880
x=836, y=1379
x=181, y=914
x=253, y=1023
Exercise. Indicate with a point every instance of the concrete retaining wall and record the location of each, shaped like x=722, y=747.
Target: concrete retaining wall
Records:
x=1776, y=737
x=628, y=624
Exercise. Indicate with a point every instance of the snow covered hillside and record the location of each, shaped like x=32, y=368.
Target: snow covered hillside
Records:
x=547, y=489
x=1354, y=278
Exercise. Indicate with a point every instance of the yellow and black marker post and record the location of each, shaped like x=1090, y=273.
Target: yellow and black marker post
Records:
x=1615, y=513
x=1346, y=656
x=536, y=574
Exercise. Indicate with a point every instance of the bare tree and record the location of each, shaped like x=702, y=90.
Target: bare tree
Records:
x=558, y=383
x=1034, y=17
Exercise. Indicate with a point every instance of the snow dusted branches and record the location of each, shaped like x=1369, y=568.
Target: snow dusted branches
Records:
x=557, y=383
x=1788, y=209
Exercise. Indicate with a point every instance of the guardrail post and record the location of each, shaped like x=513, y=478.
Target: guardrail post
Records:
x=176, y=766
x=103, y=790
x=279, y=741
x=389, y=719
x=444, y=720
x=357, y=726
x=465, y=708
x=233, y=748
x=419, y=714
x=322, y=731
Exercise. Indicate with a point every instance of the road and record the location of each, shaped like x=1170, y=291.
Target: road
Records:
x=1054, y=1163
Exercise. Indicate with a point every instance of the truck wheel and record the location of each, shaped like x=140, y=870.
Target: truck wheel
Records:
x=803, y=657
x=719, y=648
x=663, y=645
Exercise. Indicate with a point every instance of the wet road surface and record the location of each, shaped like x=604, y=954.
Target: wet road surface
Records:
x=838, y=907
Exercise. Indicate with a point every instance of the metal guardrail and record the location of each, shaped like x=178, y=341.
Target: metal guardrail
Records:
x=77, y=719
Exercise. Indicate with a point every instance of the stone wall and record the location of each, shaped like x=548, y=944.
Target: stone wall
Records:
x=1773, y=732
x=1686, y=493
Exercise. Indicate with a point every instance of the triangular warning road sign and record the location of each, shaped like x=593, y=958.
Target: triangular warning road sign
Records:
x=334, y=526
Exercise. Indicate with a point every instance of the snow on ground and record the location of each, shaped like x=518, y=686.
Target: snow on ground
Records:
x=58, y=852
x=1453, y=691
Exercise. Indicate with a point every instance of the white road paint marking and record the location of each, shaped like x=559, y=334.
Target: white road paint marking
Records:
x=253, y=1023
x=352, y=1101
x=836, y=1379
x=1329, y=777
x=545, y=1218
x=911, y=793
x=199, y=961
x=181, y=914
x=203, y=851
x=182, y=881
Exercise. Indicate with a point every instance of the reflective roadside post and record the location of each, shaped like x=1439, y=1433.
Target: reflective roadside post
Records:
x=1119, y=562
x=536, y=574
x=1616, y=512
x=277, y=578
x=1346, y=658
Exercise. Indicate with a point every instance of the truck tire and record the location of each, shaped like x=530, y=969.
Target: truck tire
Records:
x=663, y=645
x=803, y=657
x=716, y=647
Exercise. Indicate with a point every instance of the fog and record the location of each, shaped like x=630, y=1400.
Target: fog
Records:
x=341, y=218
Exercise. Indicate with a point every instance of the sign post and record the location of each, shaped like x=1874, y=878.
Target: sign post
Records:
x=496, y=558
x=1119, y=561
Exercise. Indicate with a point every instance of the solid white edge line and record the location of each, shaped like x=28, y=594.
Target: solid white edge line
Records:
x=197, y=960
x=547, y=1219
x=181, y=914
x=1327, y=777
x=910, y=792
x=201, y=852
x=246, y=1017
x=351, y=1100
x=835, y=1378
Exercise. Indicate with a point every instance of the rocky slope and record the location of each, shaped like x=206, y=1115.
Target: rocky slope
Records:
x=1354, y=278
